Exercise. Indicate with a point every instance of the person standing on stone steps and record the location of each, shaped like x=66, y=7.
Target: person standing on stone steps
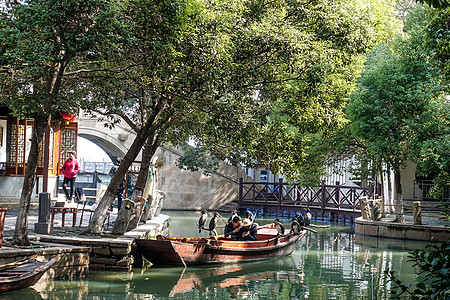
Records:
x=119, y=193
x=70, y=170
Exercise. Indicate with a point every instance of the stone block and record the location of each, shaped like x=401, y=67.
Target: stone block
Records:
x=73, y=259
x=190, y=181
x=421, y=235
x=371, y=230
x=441, y=236
x=71, y=272
x=103, y=260
x=122, y=251
x=44, y=228
x=359, y=228
x=101, y=250
x=393, y=232
x=187, y=197
x=126, y=261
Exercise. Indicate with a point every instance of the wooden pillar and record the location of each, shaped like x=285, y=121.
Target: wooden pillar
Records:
x=417, y=213
x=241, y=191
x=46, y=158
x=338, y=194
x=323, y=195
x=280, y=192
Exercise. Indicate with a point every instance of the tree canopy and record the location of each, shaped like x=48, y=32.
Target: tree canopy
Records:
x=40, y=42
x=311, y=55
x=253, y=80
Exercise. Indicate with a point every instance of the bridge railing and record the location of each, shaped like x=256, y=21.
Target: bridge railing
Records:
x=282, y=195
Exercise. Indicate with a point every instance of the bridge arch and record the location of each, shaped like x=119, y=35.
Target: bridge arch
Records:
x=115, y=142
x=184, y=189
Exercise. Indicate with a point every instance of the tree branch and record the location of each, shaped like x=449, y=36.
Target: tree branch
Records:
x=99, y=70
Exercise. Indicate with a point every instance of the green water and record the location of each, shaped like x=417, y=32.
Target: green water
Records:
x=332, y=264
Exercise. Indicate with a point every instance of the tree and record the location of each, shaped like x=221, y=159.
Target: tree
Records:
x=217, y=71
x=307, y=98
x=393, y=92
x=195, y=158
x=430, y=144
x=41, y=44
x=438, y=38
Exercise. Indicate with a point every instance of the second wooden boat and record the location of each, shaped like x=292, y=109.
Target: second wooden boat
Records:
x=172, y=251
x=22, y=274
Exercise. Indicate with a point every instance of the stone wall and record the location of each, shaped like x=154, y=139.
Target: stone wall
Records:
x=73, y=261
x=193, y=190
x=10, y=187
x=111, y=253
x=402, y=231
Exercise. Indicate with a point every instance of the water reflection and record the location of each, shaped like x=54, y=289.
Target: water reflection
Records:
x=332, y=264
x=230, y=280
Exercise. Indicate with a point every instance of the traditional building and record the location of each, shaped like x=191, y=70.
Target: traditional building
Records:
x=15, y=142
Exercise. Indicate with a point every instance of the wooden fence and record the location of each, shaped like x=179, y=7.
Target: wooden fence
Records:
x=280, y=197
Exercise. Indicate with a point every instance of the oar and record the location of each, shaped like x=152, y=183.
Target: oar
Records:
x=319, y=226
x=270, y=225
x=309, y=229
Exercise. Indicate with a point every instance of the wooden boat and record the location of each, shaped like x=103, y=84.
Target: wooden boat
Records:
x=22, y=274
x=173, y=251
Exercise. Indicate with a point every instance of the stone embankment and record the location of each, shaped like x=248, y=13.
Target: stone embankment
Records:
x=77, y=254
x=430, y=230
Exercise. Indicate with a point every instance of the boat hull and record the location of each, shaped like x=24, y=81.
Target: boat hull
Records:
x=23, y=276
x=185, y=252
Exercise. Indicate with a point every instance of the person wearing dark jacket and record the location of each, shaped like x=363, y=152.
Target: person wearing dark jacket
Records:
x=248, y=231
x=232, y=229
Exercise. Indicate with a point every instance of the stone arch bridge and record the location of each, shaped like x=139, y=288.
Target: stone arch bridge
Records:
x=185, y=190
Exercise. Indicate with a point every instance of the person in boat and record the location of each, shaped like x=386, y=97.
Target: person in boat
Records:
x=233, y=213
x=249, y=231
x=202, y=221
x=250, y=216
x=232, y=229
x=213, y=224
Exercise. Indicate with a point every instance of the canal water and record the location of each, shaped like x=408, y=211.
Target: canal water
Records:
x=333, y=263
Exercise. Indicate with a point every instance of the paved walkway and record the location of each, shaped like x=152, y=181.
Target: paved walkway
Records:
x=437, y=221
x=11, y=217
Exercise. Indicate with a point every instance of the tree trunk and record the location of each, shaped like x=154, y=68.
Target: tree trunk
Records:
x=147, y=155
x=96, y=225
x=21, y=230
x=398, y=197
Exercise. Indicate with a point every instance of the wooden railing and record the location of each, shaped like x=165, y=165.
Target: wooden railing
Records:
x=283, y=196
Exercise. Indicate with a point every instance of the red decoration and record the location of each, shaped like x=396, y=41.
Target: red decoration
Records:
x=68, y=117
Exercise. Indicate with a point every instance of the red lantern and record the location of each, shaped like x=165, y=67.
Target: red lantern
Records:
x=68, y=117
